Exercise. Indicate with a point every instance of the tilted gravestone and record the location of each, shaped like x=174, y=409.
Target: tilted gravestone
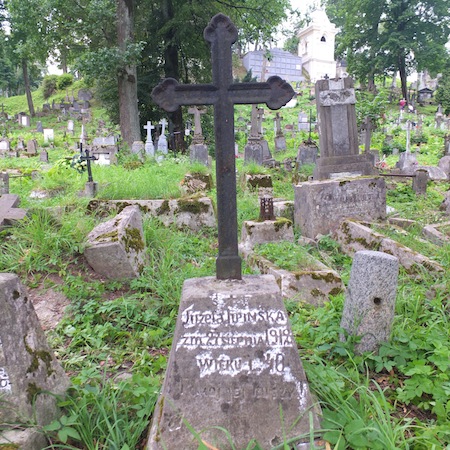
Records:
x=234, y=362
x=116, y=248
x=30, y=376
x=338, y=134
x=370, y=301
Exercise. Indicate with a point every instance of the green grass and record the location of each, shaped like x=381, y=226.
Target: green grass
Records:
x=115, y=338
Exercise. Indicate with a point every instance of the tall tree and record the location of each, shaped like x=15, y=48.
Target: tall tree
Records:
x=28, y=38
x=380, y=36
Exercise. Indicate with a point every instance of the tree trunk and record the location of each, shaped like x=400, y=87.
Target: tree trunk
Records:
x=26, y=81
x=172, y=70
x=127, y=76
x=402, y=73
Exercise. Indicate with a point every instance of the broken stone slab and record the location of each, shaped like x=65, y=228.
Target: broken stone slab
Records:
x=30, y=375
x=116, y=249
x=284, y=208
x=369, y=306
x=233, y=364
x=311, y=285
x=256, y=181
x=277, y=230
x=191, y=212
x=402, y=223
x=353, y=237
x=432, y=232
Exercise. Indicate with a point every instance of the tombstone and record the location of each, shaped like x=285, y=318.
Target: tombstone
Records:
x=307, y=153
x=46, y=108
x=149, y=147
x=71, y=127
x=280, y=140
x=25, y=121
x=4, y=183
x=369, y=306
x=32, y=147
x=104, y=150
x=43, y=156
x=84, y=95
x=319, y=206
x=444, y=164
x=243, y=372
x=253, y=150
x=338, y=135
x=39, y=127
x=30, y=375
x=4, y=147
x=49, y=135
x=116, y=249
x=9, y=210
x=198, y=151
x=162, y=140
x=303, y=121
x=138, y=148
x=420, y=182
x=407, y=163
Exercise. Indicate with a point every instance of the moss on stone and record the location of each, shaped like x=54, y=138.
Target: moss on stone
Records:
x=316, y=292
x=335, y=291
x=163, y=209
x=112, y=236
x=192, y=205
x=282, y=222
x=37, y=355
x=328, y=277
x=32, y=390
x=132, y=240
x=249, y=228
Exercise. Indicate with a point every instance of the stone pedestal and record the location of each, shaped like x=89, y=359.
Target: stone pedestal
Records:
x=280, y=143
x=420, y=182
x=199, y=153
x=320, y=206
x=233, y=364
x=343, y=166
x=307, y=154
x=370, y=301
x=253, y=152
x=90, y=189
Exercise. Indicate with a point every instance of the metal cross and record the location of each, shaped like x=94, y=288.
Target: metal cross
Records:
x=86, y=157
x=223, y=94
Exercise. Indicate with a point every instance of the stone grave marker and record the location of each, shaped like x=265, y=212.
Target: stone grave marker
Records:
x=84, y=95
x=303, y=121
x=138, y=148
x=149, y=147
x=104, y=150
x=25, y=121
x=30, y=375
x=338, y=133
x=280, y=140
x=32, y=147
x=9, y=211
x=370, y=300
x=4, y=183
x=307, y=153
x=4, y=147
x=162, y=140
x=234, y=362
x=116, y=249
x=198, y=151
x=49, y=135
x=420, y=181
x=39, y=127
x=253, y=151
x=43, y=156
x=71, y=127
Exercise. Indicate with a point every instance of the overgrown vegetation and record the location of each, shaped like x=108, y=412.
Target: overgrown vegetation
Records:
x=115, y=337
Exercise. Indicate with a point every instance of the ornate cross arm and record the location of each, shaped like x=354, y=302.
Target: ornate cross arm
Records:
x=170, y=95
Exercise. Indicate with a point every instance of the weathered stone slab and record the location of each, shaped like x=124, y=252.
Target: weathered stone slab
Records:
x=312, y=285
x=369, y=306
x=9, y=211
x=234, y=364
x=116, y=248
x=191, y=212
x=268, y=231
x=321, y=205
x=199, y=153
x=354, y=237
x=284, y=208
x=30, y=375
x=434, y=234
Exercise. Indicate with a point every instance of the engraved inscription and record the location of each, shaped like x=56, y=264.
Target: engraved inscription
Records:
x=5, y=384
x=338, y=97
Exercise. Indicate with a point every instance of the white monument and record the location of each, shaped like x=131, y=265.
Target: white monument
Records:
x=149, y=147
x=316, y=46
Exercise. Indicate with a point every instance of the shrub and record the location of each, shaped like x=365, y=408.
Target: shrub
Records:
x=49, y=85
x=64, y=81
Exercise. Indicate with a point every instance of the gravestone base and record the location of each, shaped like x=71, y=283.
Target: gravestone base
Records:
x=90, y=189
x=344, y=165
x=307, y=154
x=28, y=439
x=280, y=143
x=233, y=364
x=320, y=206
x=253, y=153
x=199, y=153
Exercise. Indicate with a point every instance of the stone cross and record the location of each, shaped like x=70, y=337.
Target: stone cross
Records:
x=149, y=147
x=223, y=94
x=277, y=123
x=9, y=212
x=163, y=123
x=149, y=127
x=198, y=135
x=367, y=134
